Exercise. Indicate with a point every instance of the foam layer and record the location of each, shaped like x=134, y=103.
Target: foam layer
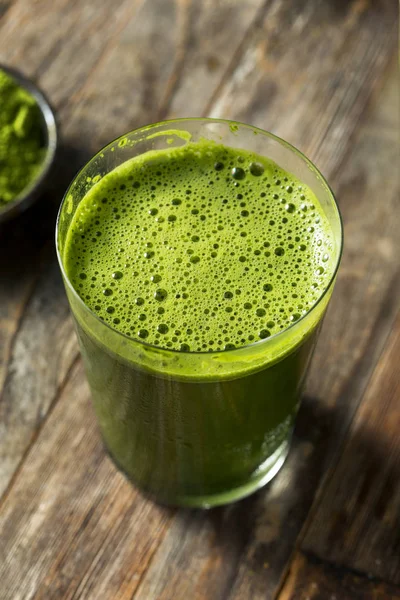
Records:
x=199, y=248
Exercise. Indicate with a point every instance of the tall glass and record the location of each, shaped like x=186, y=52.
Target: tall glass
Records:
x=196, y=428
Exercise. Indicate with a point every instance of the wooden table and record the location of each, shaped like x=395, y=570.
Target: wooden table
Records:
x=322, y=74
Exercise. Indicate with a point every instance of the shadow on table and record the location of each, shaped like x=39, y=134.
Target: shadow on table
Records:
x=258, y=533
x=24, y=239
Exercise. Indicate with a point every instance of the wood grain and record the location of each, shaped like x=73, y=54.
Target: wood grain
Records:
x=141, y=75
x=312, y=579
x=365, y=299
x=72, y=526
x=59, y=44
x=306, y=74
x=357, y=522
x=214, y=28
x=44, y=338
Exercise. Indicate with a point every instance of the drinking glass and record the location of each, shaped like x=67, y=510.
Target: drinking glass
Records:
x=196, y=429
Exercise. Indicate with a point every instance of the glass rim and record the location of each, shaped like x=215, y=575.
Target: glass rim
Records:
x=258, y=343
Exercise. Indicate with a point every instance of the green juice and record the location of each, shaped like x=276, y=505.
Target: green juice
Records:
x=192, y=260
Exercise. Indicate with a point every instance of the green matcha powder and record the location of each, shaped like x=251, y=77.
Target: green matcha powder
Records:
x=21, y=147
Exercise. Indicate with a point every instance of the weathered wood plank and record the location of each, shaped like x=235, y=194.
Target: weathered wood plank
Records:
x=357, y=523
x=214, y=28
x=307, y=73
x=42, y=353
x=311, y=579
x=156, y=53
x=125, y=90
x=200, y=555
x=59, y=43
x=72, y=526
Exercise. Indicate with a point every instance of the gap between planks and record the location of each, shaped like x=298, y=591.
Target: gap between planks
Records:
x=311, y=578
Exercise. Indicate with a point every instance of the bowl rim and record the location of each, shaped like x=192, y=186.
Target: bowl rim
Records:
x=32, y=192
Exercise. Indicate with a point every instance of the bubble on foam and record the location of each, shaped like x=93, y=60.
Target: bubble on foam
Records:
x=160, y=295
x=162, y=328
x=264, y=333
x=256, y=169
x=238, y=173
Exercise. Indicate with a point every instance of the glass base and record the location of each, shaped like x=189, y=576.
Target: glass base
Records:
x=263, y=475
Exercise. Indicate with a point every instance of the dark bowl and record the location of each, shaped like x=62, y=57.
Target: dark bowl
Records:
x=32, y=192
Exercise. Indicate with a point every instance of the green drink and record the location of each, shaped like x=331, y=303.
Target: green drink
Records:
x=198, y=272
